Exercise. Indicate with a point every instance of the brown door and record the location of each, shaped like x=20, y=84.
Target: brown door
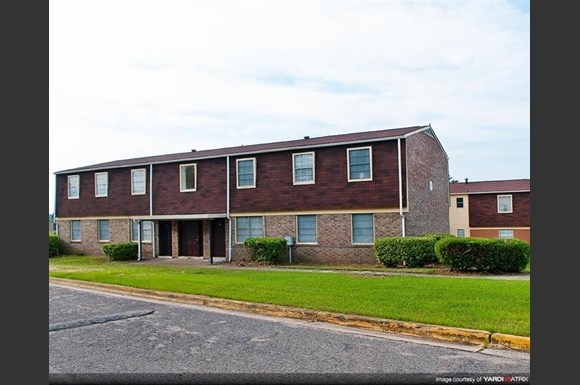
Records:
x=190, y=238
x=165, y=238
x=218, y=237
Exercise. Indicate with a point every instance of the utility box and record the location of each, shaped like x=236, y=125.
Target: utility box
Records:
x=289, y=240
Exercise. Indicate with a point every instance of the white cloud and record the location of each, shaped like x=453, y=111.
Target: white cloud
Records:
x=138, y=78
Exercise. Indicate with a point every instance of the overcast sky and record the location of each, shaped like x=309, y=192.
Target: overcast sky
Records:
x=146, y=77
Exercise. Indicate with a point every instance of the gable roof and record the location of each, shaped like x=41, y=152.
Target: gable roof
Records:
x=306, y=142
x=490, y=186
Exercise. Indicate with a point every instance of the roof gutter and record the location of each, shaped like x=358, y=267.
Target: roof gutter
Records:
x=400, y=188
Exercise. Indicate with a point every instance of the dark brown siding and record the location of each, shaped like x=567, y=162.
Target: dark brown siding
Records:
x=210, y=194
x=483, y=211
x=428, y=209
x=275, y=190
x=119, y=201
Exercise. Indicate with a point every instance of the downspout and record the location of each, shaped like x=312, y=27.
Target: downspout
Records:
x=400, y=188
x=228, y=208
x=139, y=240
x=153, y=243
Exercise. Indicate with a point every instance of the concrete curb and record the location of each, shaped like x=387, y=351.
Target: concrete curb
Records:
x=441, y=333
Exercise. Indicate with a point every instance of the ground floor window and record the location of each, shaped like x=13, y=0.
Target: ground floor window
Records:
x=75, y=231
x=103, y=230
x=306, y=228
x=362, y=228
x=249, y=227
x=506, y=234
x=146, y=231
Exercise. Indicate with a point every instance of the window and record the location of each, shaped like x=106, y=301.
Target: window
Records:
x=303, y=168
x=73, y=187
x=461, y=233
x=504, y=203
x=103, y=230
x=138, y=181
x=75, y=231
x=249, y=227
x=101, y=184
x=187, y=177
x=506, y=234
x=306, y=228
x=359, y=164
x=459, y=203
x=146, y=227
x=246, y=170
x=362, y=228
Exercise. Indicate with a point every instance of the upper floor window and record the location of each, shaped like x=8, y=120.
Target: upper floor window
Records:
x=246, y=172
x=506, y=234
x=504, y=204
x=75, y=231
x=101, y=184
x=146, y=230
x=73, y=187
x=187, y=177
x=303, y=168
x=459, y=203
x=362, y=228
x=306, y=228
x=249, y=227
x=461, y=233
x=138, y=181
x=360, y=164
x=103, y=230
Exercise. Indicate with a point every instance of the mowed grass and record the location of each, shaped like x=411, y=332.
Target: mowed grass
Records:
x=494, y=305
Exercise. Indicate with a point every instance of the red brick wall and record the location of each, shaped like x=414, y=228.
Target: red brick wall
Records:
x=523, y=234
x=275, y=190
x=483, y=211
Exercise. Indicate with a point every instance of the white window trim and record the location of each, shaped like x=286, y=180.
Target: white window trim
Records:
x=511, y=204
x=253, y=185
x=181, y=181
x=106, y=174
x=133, y=172
x=134, y=224
x=370, y=178
x=78, y=184
x=352, y=232
x=294, y=168
x=315, y=230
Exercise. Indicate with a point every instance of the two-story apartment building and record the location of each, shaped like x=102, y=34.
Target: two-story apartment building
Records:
x=334, y=195
x=490, y=209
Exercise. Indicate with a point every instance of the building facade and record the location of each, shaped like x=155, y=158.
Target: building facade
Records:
x=332, y=196
x=490, y=209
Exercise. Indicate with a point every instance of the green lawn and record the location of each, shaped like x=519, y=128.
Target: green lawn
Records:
x=498, y=306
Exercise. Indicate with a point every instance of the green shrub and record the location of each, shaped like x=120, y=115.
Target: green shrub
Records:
x=407, y=251
x=53, y=245
x=487, y=255
x=122, y=251
x=266, y=249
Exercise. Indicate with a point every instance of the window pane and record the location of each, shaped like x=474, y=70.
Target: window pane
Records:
x=101, y=184
x=73, y=186
x=459, y=202
x=246, y=172
x=362, y=228
x=146, y=231
x=461, y=233
x=306, y=228
x=187, y=176
x=360, y=165
x=138, y=182
x=506, y=233
x=103, y=230
x=75, y=230
x=303, y=168
x=504, y=203
x=248, y=227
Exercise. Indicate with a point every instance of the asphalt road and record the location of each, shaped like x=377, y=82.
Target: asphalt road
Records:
x=97, y=337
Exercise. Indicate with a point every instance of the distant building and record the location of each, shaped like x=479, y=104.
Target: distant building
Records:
x=490, y=209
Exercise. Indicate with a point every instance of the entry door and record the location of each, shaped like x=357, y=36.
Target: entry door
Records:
x=190, y=238
x=165, y=238
x=218, y=237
